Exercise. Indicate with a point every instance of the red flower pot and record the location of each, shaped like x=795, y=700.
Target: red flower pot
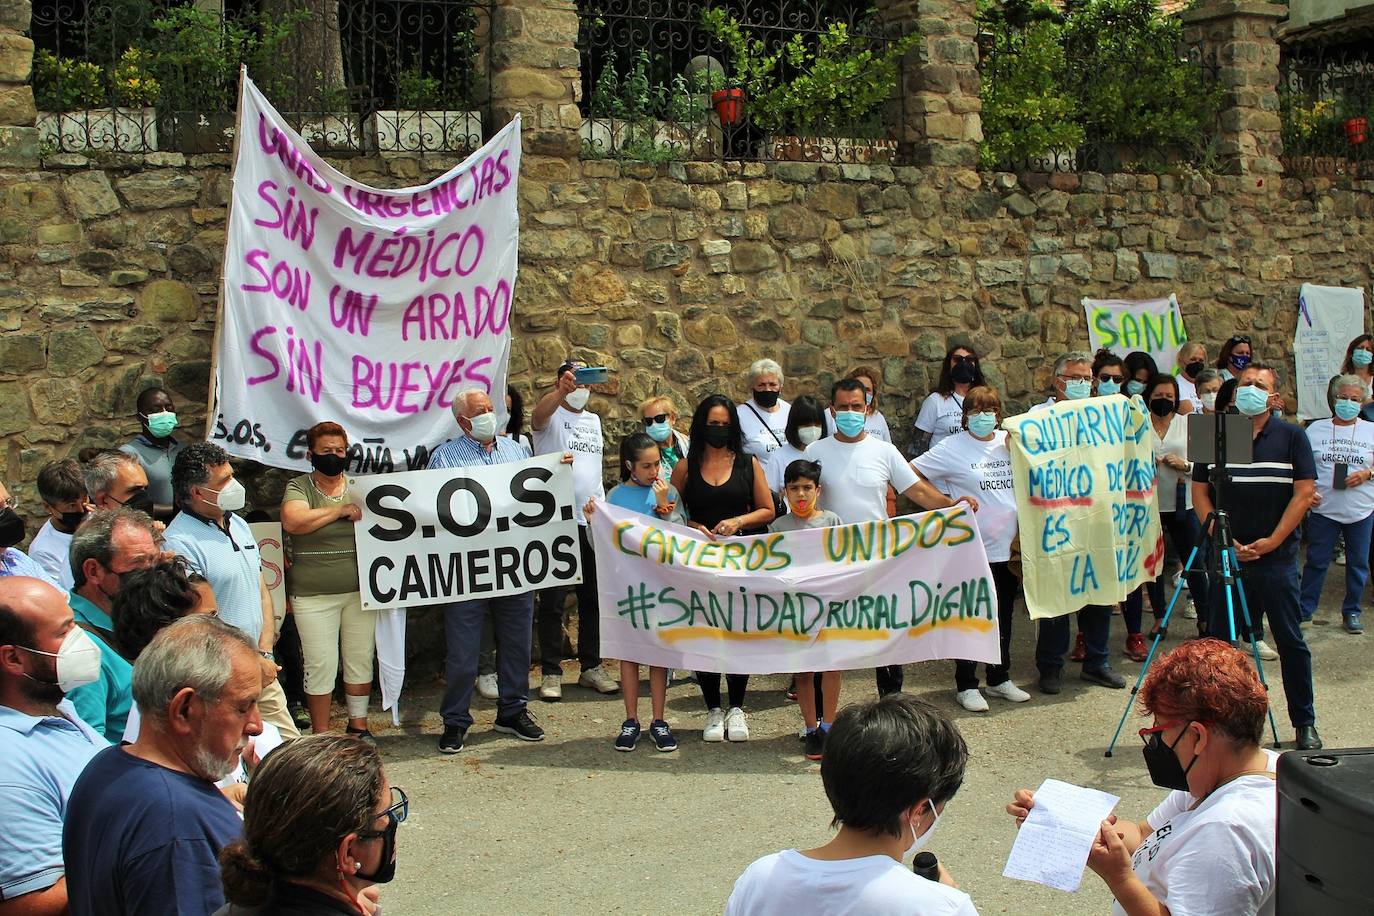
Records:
x=1355, y=129
x=729, y=105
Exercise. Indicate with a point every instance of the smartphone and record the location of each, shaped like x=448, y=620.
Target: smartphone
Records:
x=591, y=375
x=1338, y=475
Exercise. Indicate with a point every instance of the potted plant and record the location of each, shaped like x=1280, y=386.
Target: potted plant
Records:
x=1355, y=118
x=431, y=114
x=637, y=118
x=74, y=101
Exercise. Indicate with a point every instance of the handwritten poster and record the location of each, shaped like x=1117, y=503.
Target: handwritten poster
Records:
x=887, y=592
x=1329, y=317
x=1126, y=325
x=268, y=536
x=368, y=307
x=1084, y=476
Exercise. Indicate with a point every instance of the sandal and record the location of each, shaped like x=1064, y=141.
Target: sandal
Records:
x=1161, y=632
x=361, y=734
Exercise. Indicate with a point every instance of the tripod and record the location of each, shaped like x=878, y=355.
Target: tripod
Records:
x=1216, y=535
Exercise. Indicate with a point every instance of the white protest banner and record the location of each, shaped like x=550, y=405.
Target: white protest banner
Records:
x=431, y=537
x=368, y=307
x=1084, y=475
x=268, y=536
x=878, y=593
x=1329, y=317
x=1126, y=325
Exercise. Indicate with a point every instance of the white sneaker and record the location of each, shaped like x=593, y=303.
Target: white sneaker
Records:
x=972, y=700
x=597, y=679
x=736, y=727
x=1190, y=610
x=1009, y=692
x=486, y=686
x=1265, y=652
x=715, y=726
x=551, y=688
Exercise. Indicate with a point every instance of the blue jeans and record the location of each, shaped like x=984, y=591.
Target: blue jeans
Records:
x=1321, y=546
x=1271, y=590
x=1052, y=643
x=512, y=618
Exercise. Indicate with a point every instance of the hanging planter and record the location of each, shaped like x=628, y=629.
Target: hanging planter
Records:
x=1356, y=129
x=729, y=105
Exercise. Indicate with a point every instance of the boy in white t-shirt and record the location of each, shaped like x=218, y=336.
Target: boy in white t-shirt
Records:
x=63, y=491
x=891, y=767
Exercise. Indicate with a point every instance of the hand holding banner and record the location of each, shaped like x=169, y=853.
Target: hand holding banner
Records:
x=1085, y=501
x=1124, y=325
x=876, y=593
x=432, y=537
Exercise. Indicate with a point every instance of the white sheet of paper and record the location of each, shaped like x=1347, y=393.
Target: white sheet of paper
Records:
x=1052, y=846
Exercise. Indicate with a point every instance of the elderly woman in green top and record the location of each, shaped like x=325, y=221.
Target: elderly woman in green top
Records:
x=317, y=519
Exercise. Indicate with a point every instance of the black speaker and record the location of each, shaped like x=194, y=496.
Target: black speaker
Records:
x=1326, y=833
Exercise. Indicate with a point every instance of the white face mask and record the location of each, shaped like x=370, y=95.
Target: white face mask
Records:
x=1209, y=400
x=483, y=427
x=919, y=842
x=808, y=434
x=78, y=660
x=577, y=398
x=230, y=497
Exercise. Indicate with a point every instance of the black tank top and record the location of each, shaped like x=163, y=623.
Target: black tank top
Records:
x=709, y=505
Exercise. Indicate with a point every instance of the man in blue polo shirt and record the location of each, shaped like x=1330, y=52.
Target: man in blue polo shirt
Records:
x=1266, y=501
x=108, y=544
x=219, y=545
x=44, y=745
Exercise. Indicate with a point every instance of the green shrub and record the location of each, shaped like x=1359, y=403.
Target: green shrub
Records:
x=65, y=84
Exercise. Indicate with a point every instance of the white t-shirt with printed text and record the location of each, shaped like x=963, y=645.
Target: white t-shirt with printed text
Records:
x=964, y=465
x=788, y=883
x=941, y=416
x=51, y=549
x=763, y=431
x=855, y=476
x=580, y=433
x=1353, y=445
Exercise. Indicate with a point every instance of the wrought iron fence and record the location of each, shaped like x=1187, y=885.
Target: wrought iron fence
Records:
x=803, y=80
x=1326, y=104
x=136, y=76
x=1102, y=87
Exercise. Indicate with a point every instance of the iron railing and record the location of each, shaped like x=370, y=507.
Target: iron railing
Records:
x=1326, y=106
x=807, y=80
x=135, y=76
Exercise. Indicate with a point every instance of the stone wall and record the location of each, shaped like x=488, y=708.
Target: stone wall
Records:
x=678, y=276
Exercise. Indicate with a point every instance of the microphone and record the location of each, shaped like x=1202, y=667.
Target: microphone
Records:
x=926, y=865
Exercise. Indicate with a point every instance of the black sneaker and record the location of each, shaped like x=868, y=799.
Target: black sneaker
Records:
x=1104, y=677
x=361, y=734
x=521, y=725
x=815, y=744
x=1051, y=682
x=663, y=736
x=629, y=735
x=452, y=740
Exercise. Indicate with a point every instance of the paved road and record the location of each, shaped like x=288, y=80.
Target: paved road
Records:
x=571, y=826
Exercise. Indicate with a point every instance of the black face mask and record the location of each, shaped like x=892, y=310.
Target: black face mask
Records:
x=141, y=501
x=963, y=373
x=1192, y=369
x=70, y=521
x=1163, y=765
x=329, y=465
x=387, y=870
x=717, y=436
x=766, y=399
x=11, y=528
x=1162, y=407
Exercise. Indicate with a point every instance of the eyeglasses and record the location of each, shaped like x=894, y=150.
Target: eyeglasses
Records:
x=1075, y=378
x=657, y=418
x=1146, y=734
x=1108, y=377
x=396, y=813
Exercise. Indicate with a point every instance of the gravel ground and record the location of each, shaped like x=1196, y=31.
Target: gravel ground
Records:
x=571, y=826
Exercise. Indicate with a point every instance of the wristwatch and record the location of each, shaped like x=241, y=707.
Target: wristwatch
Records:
x=267, y=655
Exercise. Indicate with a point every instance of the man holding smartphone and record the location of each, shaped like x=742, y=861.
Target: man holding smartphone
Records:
x=561, y=423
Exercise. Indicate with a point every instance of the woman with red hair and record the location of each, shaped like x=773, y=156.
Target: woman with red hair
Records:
x=1209, y=847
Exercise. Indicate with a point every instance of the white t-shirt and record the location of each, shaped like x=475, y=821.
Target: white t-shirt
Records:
x=1175, y=442
x=775, y=465
x=788, y=883
x=579, y=433
x=763, y=432
x=1043, y=405
x=940, y=416
x=1216, y=858
x=51, y=549
x=964, y=465
x=1187, y=391
x=1353, y=445
x=855, y=476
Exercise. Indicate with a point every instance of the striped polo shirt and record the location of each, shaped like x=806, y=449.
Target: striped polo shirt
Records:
x=466, y=452
x=1259, y=492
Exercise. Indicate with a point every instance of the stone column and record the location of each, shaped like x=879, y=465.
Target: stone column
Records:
x=535, y=72
x=939, y=121
x=18, y=135
x=1239, y=38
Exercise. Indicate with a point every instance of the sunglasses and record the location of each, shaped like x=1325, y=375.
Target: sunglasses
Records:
x=957, y=360
x=1240, y=339
x=1108, y=377
x=657, y=418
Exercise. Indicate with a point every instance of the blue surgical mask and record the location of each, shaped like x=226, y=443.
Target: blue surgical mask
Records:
x=982, y=424
x=850, y=422
x=1252, y=400
x=1134, y=388
x=659, y=432
x=1361, y=358
x=1077, y=389
x=1106, y=388
x=1347, y=409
